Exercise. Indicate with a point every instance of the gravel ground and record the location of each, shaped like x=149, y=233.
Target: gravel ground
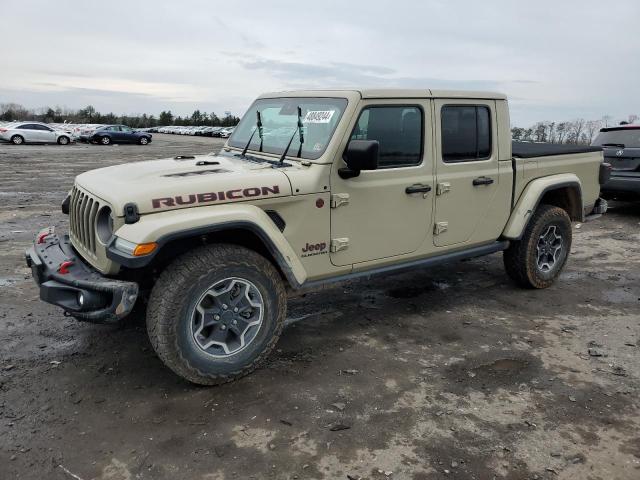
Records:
x=445, y=373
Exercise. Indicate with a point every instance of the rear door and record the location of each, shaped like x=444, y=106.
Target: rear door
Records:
x=385, y=212
x=30, y=132
x=467, y=170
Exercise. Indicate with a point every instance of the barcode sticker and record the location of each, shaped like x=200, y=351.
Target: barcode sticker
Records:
x=319, y=116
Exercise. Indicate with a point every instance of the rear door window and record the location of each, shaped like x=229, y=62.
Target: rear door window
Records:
x=466, y=133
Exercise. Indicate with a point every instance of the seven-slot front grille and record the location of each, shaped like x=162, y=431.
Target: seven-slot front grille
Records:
x=83, y=209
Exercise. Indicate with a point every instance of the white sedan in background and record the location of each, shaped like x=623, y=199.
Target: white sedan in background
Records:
x=33, y=132
x=226, y=132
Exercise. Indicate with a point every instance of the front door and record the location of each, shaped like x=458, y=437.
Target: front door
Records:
x=47, y=134
x=385, y=212
x=467, y=170
x=126, y=134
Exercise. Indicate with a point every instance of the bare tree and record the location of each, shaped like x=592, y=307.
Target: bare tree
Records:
x=591, y=128
x=576, y=130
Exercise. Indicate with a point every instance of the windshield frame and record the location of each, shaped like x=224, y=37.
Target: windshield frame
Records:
x=249, y=117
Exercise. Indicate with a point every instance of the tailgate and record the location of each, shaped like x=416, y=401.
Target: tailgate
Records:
x=623, y=159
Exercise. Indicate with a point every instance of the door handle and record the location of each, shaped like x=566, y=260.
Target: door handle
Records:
x=482, y=181
x=417, y=188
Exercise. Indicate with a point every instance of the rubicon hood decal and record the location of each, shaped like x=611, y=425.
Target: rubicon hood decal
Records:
x=209, y=197
x=168, y=184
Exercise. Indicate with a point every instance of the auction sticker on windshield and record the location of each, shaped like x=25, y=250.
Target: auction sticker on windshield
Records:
x=319, y=116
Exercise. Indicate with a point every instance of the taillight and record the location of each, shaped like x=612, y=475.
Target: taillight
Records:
x=2, y=130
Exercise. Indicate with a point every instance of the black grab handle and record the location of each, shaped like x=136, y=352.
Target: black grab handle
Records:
x=482, y=181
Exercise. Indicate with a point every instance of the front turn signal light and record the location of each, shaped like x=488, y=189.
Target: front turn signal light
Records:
x=144, y=249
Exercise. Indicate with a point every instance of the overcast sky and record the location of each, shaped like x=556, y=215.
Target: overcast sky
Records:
x=557, y=60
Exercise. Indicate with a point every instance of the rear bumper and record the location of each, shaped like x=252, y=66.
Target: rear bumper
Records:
x=77, y=288
x=629, y=184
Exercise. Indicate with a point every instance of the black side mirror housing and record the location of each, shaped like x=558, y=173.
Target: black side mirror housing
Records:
x=360, y=155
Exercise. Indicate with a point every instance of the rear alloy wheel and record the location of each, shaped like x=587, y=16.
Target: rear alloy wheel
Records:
x=63, y=140
x=105, y=140
x=143, y=140
x=536, y=260
x=17, y=140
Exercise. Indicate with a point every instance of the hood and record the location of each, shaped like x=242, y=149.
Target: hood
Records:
x=182, y=182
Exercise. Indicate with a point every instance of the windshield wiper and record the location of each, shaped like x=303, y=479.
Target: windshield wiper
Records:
x=300, y=134
x=620, y=145
x=258, y=129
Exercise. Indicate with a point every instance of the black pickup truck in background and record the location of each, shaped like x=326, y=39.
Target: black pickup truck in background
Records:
x=621, y=147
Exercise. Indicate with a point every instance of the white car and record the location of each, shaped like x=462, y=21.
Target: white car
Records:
x=226, y=133
x=33, y=132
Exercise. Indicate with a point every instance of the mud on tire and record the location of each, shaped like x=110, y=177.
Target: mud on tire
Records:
x=536, y=260
x=193, y=290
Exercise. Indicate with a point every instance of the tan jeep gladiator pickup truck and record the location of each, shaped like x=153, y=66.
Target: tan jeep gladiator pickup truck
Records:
x=312, y=187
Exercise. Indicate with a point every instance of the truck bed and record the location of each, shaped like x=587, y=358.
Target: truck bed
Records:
x=532, y=150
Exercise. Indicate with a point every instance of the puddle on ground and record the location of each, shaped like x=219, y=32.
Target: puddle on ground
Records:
x=488, y=373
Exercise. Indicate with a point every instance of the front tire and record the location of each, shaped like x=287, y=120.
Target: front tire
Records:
x=143, y=140
x=63, y=140
x=17, y=140
x=216, y=313
x=536, y=260
x=105, y=140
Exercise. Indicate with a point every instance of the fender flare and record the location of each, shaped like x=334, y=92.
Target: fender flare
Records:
x=168, y=226
x=530, y=200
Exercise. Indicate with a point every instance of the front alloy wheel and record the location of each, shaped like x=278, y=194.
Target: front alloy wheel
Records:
x=227, y=317
x=216, y=312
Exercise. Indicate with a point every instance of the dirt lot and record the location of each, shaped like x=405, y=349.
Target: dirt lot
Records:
x=446, y=373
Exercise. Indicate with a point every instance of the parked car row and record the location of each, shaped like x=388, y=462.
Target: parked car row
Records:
x=19, y=133
x=65, y=133
x=223, y=132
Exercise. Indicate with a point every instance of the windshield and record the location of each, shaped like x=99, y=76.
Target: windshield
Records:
x=280, y=121
x=629, y=137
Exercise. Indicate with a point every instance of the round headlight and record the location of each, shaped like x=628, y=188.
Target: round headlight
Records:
x=104, y=225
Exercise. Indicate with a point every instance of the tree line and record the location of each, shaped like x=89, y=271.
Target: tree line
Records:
x=579, y=131
x=16, y=112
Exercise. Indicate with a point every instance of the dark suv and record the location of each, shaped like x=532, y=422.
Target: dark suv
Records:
x=621, y=146
x=119, y=134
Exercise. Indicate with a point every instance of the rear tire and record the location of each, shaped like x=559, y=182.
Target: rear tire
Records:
x=17, y=139
x=536, y=260
x=204, y=333
x=63, y=140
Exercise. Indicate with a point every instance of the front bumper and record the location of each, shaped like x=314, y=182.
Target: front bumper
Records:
x=64, y=277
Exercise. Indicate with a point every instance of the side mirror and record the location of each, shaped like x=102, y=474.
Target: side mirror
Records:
x=360, y=155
